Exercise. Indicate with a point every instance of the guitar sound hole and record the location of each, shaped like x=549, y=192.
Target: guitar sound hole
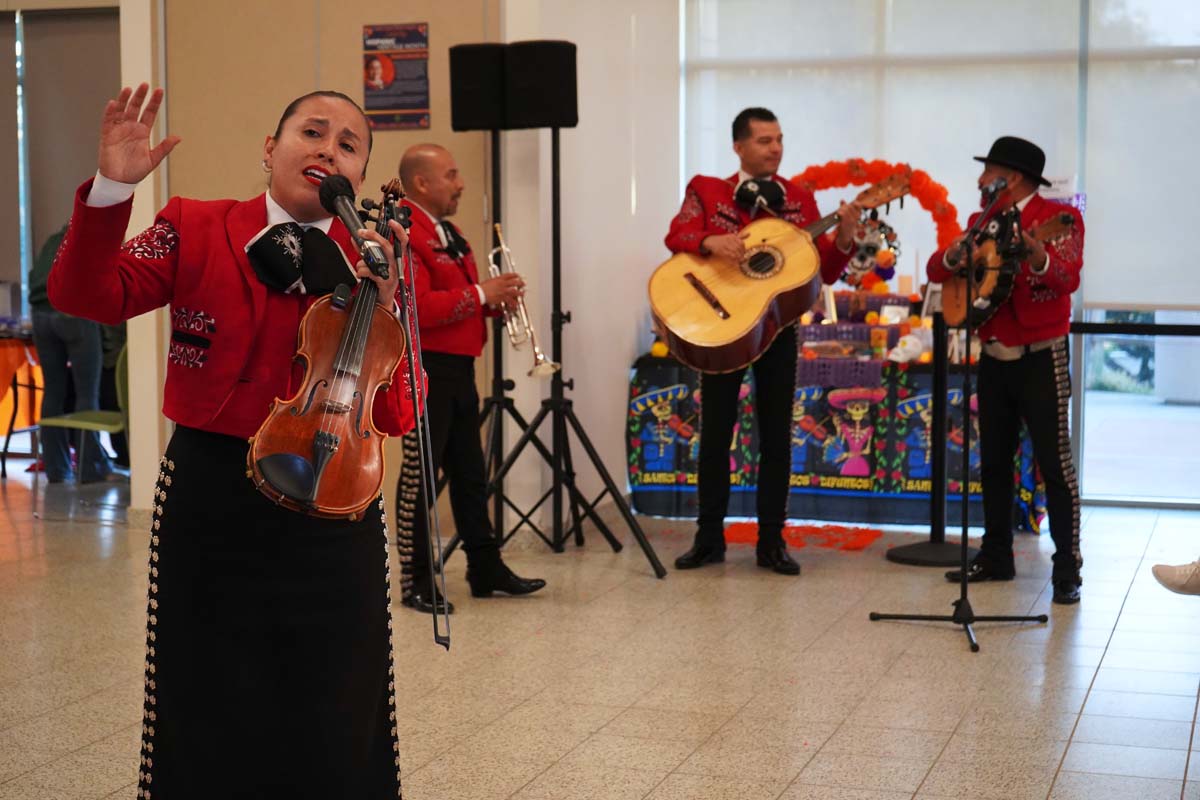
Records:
x=761, y=263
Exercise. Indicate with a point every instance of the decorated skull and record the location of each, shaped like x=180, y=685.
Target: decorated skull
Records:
x=875, y=250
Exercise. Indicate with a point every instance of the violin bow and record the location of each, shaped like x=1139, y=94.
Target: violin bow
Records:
x=392, y=192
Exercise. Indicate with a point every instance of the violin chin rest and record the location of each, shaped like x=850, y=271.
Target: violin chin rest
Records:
x=291, y=475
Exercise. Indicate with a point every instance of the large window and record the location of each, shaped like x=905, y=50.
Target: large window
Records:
x=1106, y=87
x=1141, y=410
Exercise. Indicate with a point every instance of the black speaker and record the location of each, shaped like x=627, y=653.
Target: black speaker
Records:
x=539, y=85
x=477, y=87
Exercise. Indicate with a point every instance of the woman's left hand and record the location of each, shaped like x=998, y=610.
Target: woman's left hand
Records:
x=388, y=285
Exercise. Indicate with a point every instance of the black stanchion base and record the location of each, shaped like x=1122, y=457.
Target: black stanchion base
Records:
x=930, y=554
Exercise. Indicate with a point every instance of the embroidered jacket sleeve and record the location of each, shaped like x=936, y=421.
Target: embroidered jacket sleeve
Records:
x=689, y=228
x=97, y=277
x=1064, y=257
x=439, y=306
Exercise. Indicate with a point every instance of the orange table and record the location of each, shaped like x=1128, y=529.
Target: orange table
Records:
x=20, y=408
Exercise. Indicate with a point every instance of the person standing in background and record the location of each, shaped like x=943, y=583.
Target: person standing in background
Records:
x=69, y=349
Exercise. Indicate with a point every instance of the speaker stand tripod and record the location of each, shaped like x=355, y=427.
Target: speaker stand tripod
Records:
x=563, y=420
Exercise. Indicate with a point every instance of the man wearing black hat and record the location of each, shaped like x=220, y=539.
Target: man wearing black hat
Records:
x=1023, y=372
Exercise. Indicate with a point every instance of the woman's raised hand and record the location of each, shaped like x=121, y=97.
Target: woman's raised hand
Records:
x=125, y=151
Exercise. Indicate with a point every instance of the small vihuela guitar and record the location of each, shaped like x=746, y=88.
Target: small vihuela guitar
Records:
x=996, y=262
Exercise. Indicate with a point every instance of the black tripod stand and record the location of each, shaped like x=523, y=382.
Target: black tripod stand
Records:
x=963, y=613
x=560, y=411
x=497, y=404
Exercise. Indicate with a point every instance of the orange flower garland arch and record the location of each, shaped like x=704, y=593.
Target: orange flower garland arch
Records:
x=932, y=196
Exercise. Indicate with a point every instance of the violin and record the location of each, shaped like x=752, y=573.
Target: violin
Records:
x=319, y=452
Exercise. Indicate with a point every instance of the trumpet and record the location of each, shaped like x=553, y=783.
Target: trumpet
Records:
x=516, y=320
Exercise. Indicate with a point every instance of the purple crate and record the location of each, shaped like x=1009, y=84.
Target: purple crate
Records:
x=845, y=332
x=838, y=372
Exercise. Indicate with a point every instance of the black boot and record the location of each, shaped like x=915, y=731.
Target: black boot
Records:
x=487, y=573
x=706, y=549
x=772, y=553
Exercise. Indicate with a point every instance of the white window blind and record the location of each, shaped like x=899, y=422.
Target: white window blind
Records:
x=933, y=83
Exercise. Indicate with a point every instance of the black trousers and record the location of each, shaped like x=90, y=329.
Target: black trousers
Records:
x=1034, y=389
x=268, y=667
x=453, y=407
x=774, y=387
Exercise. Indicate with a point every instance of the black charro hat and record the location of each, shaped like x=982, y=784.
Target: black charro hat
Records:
x=1019, y=154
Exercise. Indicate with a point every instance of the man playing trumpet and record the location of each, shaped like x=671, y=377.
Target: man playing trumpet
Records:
x=451, y=307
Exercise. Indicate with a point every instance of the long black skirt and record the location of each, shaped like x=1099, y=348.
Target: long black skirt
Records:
x=268, y=641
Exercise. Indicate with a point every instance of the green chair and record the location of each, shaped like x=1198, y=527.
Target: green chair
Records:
x=109, y=422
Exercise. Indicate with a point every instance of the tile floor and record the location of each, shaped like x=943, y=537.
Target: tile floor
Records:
x=727, y=682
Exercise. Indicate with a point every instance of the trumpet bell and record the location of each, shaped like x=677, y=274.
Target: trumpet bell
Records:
x=544, y=369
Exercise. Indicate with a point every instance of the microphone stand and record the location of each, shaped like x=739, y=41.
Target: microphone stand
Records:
x=963, y=613
x=412, y=352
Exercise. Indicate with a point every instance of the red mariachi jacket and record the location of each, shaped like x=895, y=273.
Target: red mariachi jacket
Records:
x=448, y=307
x=1040, y=305
x=709, y=209
x=194, y=259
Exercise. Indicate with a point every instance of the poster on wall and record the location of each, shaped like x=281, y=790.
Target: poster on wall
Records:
x=396, y=75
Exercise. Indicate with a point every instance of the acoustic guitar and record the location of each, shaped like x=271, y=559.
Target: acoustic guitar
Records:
x=717, y=315
x=996, y=262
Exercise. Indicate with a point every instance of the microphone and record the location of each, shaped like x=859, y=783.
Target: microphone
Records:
x=998, y=185
x=337, y=197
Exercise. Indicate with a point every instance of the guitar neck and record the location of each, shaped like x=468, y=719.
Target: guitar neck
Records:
x=815, y=229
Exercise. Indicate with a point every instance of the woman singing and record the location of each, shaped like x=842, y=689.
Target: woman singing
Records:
x=268, y=637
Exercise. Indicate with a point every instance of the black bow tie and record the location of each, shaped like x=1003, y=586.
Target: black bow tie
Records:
x=289, y=258
x=456, y=245
x=753, y=192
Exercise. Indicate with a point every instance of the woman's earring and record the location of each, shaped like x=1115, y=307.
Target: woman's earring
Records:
x=266, y=167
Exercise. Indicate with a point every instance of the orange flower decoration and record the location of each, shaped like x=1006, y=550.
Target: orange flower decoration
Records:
x=932, y=196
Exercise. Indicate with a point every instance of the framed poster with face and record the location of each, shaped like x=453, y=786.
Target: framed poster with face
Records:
x=395, y=65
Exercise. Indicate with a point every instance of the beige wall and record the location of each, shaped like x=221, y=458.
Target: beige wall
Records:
x=224, y=101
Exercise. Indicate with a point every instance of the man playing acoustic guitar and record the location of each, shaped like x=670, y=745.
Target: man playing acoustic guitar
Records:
x=1023, y=374
x=714, y=211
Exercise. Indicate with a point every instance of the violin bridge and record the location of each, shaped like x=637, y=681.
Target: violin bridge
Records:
x=336, y=407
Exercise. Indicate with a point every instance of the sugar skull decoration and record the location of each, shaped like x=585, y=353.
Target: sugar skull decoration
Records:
x=875, y=252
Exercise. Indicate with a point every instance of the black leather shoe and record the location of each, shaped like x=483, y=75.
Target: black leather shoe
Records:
x=700, y=555
x=777, y=558
x=421, y=601
x=497, y=577
x=978, y=572
x=1066, y=593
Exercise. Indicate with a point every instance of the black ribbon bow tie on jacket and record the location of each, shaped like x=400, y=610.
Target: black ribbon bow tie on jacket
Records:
x=456, y=245
x=754, y=192
x=288, y=257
